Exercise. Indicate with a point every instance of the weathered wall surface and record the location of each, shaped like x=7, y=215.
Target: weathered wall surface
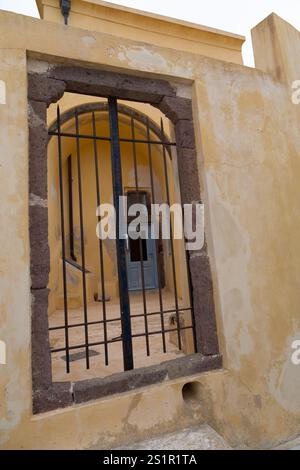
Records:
x=95, y=15
x=15, y=382
x=281, y=50
x=248, y=151
x=249, y=130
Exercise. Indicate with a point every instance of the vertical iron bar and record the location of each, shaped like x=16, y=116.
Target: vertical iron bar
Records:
x=71, y=220
x=100, y=242
x=140, y=240
x=62, y=221
x=156, y=244
x=86, y=333
x=171, y=235
x=121, y=256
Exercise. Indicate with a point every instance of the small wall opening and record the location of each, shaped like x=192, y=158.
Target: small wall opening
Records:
x=191, y=392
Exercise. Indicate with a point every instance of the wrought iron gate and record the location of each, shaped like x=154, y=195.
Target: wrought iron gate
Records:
x=68, y=256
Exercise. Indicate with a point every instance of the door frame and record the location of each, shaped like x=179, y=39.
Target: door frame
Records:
x=44, y=89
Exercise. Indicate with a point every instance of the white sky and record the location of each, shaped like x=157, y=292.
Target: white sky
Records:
x=236, y=16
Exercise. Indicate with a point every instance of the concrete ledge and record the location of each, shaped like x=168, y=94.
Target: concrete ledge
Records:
x=58, y=395
x=63, y=394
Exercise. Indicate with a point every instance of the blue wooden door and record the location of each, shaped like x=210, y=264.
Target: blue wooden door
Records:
x=134, y=265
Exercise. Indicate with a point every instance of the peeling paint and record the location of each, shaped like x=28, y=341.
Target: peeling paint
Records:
x=88, y=40
x=135, y=55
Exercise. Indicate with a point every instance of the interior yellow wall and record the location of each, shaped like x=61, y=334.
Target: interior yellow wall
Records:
x=248, y=152
x=90, y=199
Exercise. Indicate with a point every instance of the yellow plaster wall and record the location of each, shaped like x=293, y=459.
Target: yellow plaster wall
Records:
x=96, y=15
x=106, y=195
x=248, y=151
x=15, y=380
x=281, y=48
x=249, y=131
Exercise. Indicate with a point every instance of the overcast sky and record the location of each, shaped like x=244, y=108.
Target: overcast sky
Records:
x=236, y=16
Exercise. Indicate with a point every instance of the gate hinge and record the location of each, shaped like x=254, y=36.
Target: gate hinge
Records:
x=65, y=7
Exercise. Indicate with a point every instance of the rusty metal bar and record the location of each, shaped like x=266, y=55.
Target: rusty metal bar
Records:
x=100, y=242
x=120, y=243
x=86, y=331
x=171, y=238
x=140, y=240
x=162, y=320
x=63, y=247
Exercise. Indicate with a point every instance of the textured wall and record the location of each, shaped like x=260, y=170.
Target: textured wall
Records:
x=249, y=130
x=95, y=15
x=281, y=50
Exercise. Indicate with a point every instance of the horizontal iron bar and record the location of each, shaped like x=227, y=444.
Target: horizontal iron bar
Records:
x=77, y=325
x=116, y=340
x=80, y=136
x=76, y=265
x=138, y=335
x=164, y=311
x=122, y=139
x=90, y=345
x=110, y=320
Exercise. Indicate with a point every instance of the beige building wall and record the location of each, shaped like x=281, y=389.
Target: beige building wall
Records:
x=98, y=15
x=248, y=151
x=279, y=57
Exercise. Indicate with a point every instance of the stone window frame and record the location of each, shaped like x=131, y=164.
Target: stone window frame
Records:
x=48, y=87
